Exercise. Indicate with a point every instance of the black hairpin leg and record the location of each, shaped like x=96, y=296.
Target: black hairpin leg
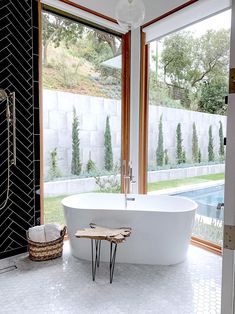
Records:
x=95, y=263
x=112, y=259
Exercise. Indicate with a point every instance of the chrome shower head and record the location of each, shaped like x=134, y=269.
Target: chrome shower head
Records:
x=3, y=95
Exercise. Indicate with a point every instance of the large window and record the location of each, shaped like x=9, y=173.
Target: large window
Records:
x=82, y=111
x=188, y=82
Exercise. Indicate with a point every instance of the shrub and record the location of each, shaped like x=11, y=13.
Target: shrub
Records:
x=195, y=151
x=160, y=151
x=199, y=156
x=179, y=148
x=108, y=154
x=211, y=156
x=110, y=183
x=54, y=171
x=221, y=141
x=76, y=165
x=90, y=166
x=166, y=158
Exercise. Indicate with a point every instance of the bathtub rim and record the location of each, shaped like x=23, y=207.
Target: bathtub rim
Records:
x=194, y=204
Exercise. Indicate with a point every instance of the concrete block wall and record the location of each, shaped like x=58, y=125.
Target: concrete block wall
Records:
x=92, y=113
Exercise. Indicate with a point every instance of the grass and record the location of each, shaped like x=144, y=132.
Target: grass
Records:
x=181, y=182
x=53, y=211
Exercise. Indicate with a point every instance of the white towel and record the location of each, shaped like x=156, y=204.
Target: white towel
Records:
x=37, y=234
x=52, y=232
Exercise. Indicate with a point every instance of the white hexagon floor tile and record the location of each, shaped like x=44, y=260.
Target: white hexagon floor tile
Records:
x=64, y=286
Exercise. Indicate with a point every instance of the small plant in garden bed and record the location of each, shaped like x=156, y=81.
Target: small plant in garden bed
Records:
x=211, y=232
x=54, y=171
x=109, y=184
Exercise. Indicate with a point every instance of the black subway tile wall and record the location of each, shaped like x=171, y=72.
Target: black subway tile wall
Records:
x=19, y=74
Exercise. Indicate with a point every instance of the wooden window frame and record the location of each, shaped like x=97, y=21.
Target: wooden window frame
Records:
x=125, y=97
x=143, y=138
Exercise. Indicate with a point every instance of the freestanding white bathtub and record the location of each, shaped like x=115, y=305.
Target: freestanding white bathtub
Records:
x=161, y=225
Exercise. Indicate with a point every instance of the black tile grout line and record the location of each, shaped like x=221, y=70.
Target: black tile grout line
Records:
x=7, y=269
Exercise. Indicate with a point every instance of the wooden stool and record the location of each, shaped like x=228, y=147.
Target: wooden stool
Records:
x=97, y=234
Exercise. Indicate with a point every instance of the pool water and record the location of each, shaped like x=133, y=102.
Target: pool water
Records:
x=207, y=200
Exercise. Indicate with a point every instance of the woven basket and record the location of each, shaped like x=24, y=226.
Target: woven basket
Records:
x=43, y=251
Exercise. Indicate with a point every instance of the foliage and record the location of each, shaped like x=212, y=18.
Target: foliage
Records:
x=110, y=183
x=76, y=165
x=195, y=69
x=54, y=171
x=160, y=150
x=77, y=62
x=108, y=154
x=57, y=29
x=199, y=156
x=211, y=155
x=221, y=141
x=90, y=166
x=212, y=96
x=179, y=147
x=195, y=150
x=184, y=157
x=166, y=157
x=210, y=232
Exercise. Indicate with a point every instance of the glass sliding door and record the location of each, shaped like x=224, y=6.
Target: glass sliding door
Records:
x=188, y=82
x=82, y=111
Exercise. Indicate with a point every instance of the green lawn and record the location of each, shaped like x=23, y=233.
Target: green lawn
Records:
x=53, y=211
x=181, y=182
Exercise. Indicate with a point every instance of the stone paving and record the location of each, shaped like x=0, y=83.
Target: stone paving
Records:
x=65, y=286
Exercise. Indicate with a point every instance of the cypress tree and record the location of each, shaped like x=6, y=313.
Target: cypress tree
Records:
x=166, y=158
x=211, y=156
x=221, y=141
x=195, y=151
x=160, y=150
x=76, y=165
x=108, y=154
x=179, y=148
x=199, y=156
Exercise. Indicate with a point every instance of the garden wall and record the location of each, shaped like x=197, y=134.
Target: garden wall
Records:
x=92, y=112
x=83, y=185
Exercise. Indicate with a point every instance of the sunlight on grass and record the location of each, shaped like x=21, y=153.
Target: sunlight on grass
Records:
x=183, y=182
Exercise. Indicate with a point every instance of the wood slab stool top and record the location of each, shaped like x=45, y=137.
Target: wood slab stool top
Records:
x=97, y=233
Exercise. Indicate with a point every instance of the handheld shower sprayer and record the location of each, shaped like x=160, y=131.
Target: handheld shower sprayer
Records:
x=9, y=99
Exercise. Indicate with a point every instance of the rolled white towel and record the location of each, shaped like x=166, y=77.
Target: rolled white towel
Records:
x=37, y=234
x=52, y=232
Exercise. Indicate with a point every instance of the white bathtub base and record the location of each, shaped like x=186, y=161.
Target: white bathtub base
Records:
x=158, y=238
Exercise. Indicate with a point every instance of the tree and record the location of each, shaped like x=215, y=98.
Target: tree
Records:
x=166, y=158
x=221, y=141
x=179, y=148
x=212, y=96
x=195, y=144
x=211, y=156
x=188, y=62
x=160, y=150
x=57, y=29
x=76, y=165
x=108, y=154
x=199, y=156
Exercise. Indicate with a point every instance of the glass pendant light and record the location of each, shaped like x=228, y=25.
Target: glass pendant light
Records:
x=130, y=13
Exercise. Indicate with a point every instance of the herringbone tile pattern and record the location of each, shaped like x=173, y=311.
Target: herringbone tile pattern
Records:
x=16, y=75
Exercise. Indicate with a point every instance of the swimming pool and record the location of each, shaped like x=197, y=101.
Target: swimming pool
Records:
x=207, y=200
